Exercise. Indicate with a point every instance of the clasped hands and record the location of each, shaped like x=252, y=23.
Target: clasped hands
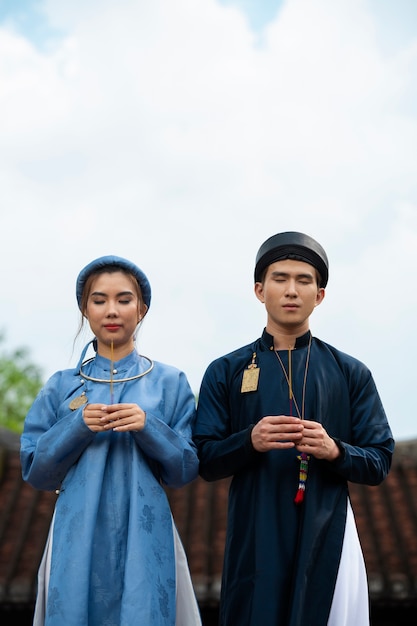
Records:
x=280, y=432
x=119, y=417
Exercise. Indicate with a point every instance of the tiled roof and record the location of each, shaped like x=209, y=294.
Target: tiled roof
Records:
x=386, y=517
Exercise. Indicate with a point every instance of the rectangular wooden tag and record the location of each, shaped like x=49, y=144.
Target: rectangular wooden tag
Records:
x=250, y=379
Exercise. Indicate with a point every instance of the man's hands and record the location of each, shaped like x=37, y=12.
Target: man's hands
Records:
x=279, y=432
x=316, y=441
x=118, y=417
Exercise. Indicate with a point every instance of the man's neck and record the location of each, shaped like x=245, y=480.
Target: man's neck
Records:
x=284, y=339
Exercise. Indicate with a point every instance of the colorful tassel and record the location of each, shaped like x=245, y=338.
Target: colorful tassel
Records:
x=302, y=478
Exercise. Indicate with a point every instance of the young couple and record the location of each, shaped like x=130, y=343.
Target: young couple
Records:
x=289, y=417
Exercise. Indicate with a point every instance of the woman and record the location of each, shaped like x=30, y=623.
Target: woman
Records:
x=107, y=434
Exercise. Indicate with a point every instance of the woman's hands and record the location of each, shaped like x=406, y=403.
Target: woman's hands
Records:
x=279, y=432
x=119, y=417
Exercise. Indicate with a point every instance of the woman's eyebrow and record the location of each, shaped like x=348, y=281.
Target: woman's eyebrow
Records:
x=105, y=295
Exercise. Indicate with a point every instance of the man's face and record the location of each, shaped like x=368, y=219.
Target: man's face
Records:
x=290, y=292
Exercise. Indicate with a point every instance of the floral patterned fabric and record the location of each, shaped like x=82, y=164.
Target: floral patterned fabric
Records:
x=113, y=555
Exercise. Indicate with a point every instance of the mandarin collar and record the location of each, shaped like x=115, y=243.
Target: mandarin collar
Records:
x=123, y=365
x=300, y=342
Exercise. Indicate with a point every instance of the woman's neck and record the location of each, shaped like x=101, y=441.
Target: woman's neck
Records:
x=116, y=353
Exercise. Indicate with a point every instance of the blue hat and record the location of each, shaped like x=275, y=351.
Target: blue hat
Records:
x=292, y=245
x=114, y=261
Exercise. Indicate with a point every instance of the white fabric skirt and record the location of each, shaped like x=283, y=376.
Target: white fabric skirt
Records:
x=187, y=611
x=350, y=606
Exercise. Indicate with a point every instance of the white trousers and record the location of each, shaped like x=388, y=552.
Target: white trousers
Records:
x=350, y=606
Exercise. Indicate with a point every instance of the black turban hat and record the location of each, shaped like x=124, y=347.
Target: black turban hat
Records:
x=292, y=245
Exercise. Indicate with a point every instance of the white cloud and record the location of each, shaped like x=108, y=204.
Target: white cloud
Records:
x=164, y=133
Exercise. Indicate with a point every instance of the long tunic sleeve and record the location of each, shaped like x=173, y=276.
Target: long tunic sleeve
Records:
x=113, y=545
x=279, y=555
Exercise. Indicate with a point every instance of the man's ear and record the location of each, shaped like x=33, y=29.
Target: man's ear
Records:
x=320, y=296
x=259, y=292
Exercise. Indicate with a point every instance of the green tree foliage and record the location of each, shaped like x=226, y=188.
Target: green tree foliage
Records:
x=20, y=381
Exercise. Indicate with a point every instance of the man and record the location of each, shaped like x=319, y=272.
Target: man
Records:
x=292, y=419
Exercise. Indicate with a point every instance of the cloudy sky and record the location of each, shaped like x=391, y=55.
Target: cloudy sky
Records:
x=181, y=134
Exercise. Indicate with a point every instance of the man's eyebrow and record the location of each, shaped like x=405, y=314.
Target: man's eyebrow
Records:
x=287, y=274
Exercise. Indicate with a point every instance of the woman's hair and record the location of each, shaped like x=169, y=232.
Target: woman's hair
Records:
x=109, y=269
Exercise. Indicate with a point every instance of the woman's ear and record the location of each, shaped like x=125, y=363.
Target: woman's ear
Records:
x=142, y=312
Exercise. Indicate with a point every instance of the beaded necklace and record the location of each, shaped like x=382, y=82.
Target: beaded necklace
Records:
x=303, y=457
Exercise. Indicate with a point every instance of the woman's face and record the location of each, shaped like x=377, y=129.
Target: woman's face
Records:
x=113, y=311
